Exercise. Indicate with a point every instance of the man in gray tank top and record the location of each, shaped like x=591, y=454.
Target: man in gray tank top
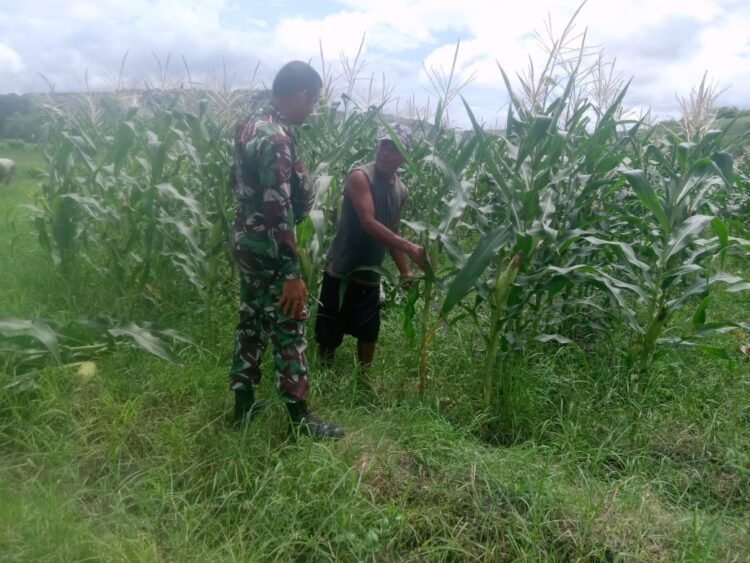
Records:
x=368, y=225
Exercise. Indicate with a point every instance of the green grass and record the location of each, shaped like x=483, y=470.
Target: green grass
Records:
x=138, y=462
x=23, y=287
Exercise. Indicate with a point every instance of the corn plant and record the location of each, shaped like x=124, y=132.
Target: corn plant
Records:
x=541, y=180
x=140, y=194
x=441, y=174
x=669, y=263
x=546, y=180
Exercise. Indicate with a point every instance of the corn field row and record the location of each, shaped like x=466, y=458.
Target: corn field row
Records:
x=572, y=221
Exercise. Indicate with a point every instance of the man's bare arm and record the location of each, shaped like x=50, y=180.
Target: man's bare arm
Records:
x=358, y=191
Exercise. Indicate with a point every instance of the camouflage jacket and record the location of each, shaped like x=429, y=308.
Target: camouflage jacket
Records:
x=272, y=190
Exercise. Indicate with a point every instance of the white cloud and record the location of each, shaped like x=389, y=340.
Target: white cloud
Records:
x=666, y=46
x=341, y=32
x=10, y=61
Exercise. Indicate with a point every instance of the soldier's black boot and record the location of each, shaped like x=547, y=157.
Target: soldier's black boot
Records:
x=306, y=423
x=245, y=406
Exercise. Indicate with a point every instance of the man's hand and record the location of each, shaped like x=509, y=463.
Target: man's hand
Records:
x=416, y=253
x=293, y=298
x=406, y=280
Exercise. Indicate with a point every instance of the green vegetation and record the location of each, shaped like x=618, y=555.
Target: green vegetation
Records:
x=136, y=461
x=569, y=380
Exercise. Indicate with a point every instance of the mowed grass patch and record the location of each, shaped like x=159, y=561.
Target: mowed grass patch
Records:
x=25, y=274
x=143, y=452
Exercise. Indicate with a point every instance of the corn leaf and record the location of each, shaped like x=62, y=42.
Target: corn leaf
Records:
x=477, y=263
x=644, y=191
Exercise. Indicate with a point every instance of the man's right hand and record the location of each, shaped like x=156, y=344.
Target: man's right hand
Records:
x=293, y=298
x=405, y=281
x=417, y=254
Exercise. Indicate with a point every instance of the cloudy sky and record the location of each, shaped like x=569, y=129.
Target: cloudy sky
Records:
x=664, y=45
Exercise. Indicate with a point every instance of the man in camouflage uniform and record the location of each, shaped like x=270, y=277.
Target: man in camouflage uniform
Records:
x=273, y=194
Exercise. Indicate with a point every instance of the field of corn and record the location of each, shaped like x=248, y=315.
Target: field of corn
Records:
x=568, y=380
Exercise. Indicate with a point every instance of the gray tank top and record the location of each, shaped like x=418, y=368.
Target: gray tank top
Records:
x=352, y=248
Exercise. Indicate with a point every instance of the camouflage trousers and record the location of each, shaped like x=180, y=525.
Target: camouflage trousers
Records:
x=261, y=320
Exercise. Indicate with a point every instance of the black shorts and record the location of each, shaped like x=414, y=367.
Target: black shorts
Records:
x=358, y=316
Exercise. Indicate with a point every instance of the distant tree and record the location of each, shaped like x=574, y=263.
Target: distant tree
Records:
x=17, y=113
x=727, y=112
x=12, y=103
x=26, y=126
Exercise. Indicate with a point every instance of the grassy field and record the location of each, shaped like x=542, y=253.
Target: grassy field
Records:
x=138, y=461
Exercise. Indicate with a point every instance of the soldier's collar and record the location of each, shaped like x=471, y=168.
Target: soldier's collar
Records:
x=276, y=114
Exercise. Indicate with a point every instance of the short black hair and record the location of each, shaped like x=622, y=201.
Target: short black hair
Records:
x=296, y=76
